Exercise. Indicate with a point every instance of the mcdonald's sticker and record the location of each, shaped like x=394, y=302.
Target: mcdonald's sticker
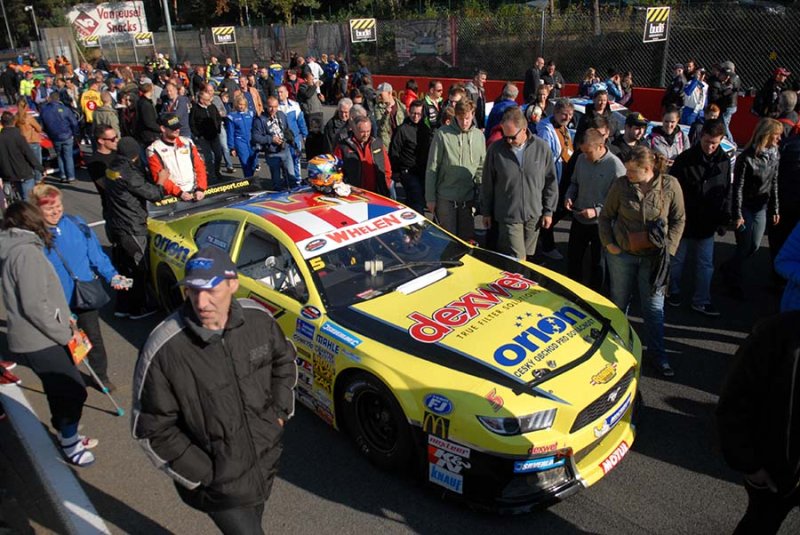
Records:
x=436, y=425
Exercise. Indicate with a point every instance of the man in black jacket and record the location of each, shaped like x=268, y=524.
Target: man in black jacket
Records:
x=408, y=153
x=147, y=128
x=17, y=160
x=704, y=173
x=336, y=128
x=205, y=122
x=213, y=388
x=127, y=193
x=532, y=80
x=766, y=101
x=759, y=422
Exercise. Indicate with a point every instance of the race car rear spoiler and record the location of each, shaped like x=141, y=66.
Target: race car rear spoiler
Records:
x=218, y=195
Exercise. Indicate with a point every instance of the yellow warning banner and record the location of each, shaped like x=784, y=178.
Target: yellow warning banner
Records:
x=93, y=41
x=656, y=25
x=362, y=30
x=223, y=35
x=143, y=39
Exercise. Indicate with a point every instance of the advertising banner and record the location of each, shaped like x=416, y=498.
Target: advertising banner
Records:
x=107, y=19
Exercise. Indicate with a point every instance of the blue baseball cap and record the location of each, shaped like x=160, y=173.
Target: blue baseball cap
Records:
x=208, y=267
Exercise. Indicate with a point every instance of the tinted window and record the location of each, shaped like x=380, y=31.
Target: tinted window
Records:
x=217, y=233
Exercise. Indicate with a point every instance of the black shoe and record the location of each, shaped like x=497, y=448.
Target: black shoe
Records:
x=708, y=310
x=665, y=369
x=674, y=300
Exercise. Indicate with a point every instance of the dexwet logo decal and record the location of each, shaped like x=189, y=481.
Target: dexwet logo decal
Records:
x=433, y=328
x=546, y=335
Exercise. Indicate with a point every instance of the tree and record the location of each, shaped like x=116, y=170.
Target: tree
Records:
x=596, y=16
x=285, y=8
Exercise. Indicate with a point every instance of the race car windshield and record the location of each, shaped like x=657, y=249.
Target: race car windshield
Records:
x=375, y=266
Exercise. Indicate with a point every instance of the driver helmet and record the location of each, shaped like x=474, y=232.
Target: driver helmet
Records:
x=324, y=172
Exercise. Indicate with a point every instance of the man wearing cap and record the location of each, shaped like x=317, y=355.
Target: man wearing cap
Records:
x=674, y=94
x=633, y=136
x=126, y=193
x=766, y=102
x=176, y=159
x=213, y=388
x=723, y=91
x=389, y=113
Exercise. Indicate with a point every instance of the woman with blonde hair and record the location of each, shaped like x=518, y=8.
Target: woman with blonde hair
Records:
x=31, y=130
x=589, y=79
x=640, y=227
x=239, y=125
x=755, y=196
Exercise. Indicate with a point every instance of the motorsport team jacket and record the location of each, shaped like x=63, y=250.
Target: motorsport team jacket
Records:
x=187, y=170
x=90, y=101
x=206, y=404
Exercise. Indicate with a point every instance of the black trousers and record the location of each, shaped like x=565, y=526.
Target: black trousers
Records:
x=89, y=321
x=211, y=150
x=582, y=236
x=766, y=511
x=129, y=255
x=239, y=520
x=62, y=383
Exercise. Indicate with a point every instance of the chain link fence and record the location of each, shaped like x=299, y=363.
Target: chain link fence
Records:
x=756, y=41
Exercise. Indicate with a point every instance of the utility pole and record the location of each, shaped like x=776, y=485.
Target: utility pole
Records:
x=8, y=28
x=169, y=31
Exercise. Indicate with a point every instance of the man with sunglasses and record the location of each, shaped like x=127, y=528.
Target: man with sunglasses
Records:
x=519, y=192
x=433, y=105
x=107, y=139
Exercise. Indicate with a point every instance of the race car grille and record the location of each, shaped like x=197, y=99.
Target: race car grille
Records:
x=603, y=403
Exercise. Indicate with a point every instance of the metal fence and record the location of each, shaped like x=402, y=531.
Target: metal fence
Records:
x=756, y=41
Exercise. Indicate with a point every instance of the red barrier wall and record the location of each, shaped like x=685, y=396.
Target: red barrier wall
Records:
x=645, y=100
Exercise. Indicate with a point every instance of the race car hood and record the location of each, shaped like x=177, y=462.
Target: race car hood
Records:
x=492, y=317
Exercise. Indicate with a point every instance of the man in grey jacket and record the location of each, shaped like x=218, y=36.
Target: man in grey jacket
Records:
x=520, y=190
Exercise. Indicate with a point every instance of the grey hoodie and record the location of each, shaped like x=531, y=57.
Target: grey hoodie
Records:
x=38, y=313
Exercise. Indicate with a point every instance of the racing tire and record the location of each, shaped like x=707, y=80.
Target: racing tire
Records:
x=169, y=294
x=377, y=424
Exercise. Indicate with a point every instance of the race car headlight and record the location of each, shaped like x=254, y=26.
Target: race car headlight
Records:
x=521, y=425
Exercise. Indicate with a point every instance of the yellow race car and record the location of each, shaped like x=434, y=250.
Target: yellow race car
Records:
x=504, y=383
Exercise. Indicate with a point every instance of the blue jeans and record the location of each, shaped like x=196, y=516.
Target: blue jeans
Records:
x=281, y=163
x=726, y=118
x=24, y=188
x=296, y=159
x=226, y=152
x=748, y=241
x=626, y=272
x=703, y=250
x=66, y=162
x=37, y=151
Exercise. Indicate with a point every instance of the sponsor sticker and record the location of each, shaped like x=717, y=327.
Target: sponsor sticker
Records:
x=449, y=461
x=315, y=245
x=305, y=329
x=605, y=375
x=310, y=312
x=438, y=404
x=613, y=418
x=434, y=424
x=445, y=478
x=546, y=448
x=616, y=456
x=537, y=465
x=494, y=400
x=340, y=334
x=452, y=447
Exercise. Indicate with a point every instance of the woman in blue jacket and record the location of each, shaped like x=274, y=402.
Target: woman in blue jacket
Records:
x=239, y=125
x=75, y=249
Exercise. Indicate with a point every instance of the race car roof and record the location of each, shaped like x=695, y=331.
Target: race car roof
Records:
x=306, y=214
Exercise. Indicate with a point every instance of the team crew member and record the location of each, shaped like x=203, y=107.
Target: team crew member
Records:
x=177, y=159
x=222, y=452
x=365, y=159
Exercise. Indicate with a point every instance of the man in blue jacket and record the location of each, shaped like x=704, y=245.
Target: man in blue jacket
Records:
x=61, y=126
x=297, y=124
x=271, y=133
